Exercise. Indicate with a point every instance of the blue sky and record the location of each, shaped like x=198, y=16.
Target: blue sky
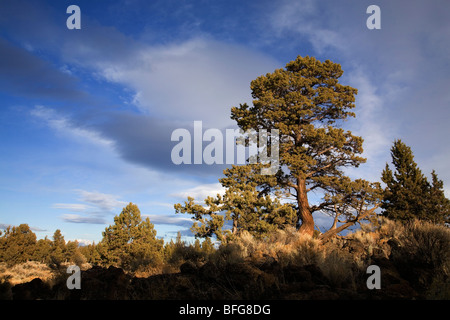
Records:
x=86, y=115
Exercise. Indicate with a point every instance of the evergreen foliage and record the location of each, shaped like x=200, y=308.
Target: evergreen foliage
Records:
x=307, y=104
x=408, y=194
x=17, y=245
x=131, y=242
x=242, y=207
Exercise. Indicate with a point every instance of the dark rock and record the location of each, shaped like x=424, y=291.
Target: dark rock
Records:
x=33, y=290
x=293, y=273
x=188, y=267
x=323, y=293
x=209, y=271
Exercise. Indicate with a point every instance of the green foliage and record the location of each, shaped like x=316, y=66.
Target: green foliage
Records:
x=91, y=252
x=178, y=252
x=408, y=194
x=243, y=206
x=306, y=103
x=131, y=242
x=43, y=250
x=17, y=245
x=438, y=206
x=58, y=249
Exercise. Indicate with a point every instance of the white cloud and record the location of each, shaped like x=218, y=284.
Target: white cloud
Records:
x=77, y=207
x=302, y=17
x=169, y=219
x=103, y=201
x=201, y=192
x=198, y=79
x=96, y=207
x=63, y=125
x=372, y=124
x=76, y=218
x=84, y=242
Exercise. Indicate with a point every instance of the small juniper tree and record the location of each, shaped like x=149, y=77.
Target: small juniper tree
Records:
x=408, y=194
x=131, y=242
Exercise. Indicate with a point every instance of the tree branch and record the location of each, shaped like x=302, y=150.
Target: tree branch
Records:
x=325, y=236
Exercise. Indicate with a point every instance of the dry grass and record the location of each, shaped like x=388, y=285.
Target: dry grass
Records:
x=418, y=244
x=281, y=244
x=25, y=272
x=417, y=252
x=288, y=247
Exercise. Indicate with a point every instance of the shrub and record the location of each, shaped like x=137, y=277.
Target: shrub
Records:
x=424, y=244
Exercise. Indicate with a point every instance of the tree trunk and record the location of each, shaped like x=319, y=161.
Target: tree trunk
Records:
x=304, y=212
x=234, y=230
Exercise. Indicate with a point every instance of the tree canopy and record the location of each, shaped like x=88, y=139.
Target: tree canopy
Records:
x=408, y=194
x=307, y=105
x=130, y=242
x=242, y=206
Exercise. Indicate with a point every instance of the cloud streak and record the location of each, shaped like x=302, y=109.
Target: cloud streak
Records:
x=96, y=208
x=169, y=219
x=65, y=125
x=76, y=218
x=24, y=74
x=201, y=192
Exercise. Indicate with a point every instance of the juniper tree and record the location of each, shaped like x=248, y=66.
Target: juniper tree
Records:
x=130, y=242
x=408, y=194
x=58, y=249
x=43, y=250
x=307, y=104
x=439, y=205
x=17, y=244
x=242, y=207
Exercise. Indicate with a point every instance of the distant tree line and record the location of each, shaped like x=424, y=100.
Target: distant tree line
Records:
x=19, y=244
x=130, y=243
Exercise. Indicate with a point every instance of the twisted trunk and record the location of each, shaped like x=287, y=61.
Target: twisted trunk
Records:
x=304, y=211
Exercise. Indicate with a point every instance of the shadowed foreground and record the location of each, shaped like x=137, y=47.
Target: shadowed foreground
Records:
x=414, y=261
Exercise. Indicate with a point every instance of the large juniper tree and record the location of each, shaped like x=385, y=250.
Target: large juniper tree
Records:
x=307, y=104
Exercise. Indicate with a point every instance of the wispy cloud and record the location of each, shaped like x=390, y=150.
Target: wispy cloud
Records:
x=103, y=201
x=97, y=207
x=178, y=80
x=308, y=19
x=64, y=125
x=77, y=207
x=200, y=192
x=4, y=226
x=169, y=219
x=76, y=218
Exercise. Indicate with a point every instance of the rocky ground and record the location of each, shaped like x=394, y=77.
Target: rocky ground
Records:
x=210, y=282
x=410, y=270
